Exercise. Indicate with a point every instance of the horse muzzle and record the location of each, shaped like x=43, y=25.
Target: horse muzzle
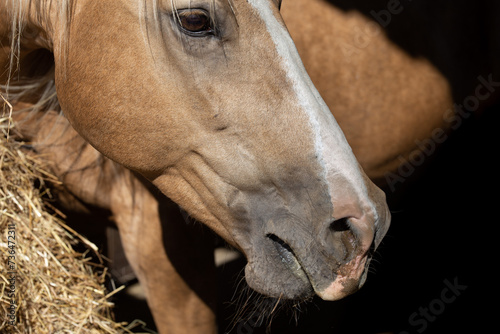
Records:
x=297, y=262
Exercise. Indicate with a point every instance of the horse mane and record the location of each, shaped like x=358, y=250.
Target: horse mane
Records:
x=35, y=82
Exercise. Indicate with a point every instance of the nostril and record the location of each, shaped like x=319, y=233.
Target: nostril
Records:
x=285, y=252
x=288, y=258
x=340, y=225
x=343, y=239
x=280, y=245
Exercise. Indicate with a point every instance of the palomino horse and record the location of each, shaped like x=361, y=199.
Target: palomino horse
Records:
x=208, y=100
x=384, y=68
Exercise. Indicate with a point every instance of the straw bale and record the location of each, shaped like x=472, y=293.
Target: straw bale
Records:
x=56, y=289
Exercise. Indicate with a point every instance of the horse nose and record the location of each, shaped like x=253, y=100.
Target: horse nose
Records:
x=332, y=262
x=327, y=251
x=348, y=237
x=352, y=230
x=350, y=241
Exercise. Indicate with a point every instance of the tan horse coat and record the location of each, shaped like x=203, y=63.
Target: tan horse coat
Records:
x=384, y=99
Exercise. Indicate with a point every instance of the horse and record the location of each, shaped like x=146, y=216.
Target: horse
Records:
x=394, y=90
x=209, y=102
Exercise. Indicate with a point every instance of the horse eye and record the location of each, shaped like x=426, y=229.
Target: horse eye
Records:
x=195, y=21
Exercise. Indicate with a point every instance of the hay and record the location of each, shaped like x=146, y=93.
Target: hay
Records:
x=45, y=285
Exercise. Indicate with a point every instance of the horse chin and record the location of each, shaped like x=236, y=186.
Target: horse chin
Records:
x=278, y=283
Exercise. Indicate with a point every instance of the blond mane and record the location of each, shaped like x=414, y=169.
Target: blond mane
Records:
x=39, y=87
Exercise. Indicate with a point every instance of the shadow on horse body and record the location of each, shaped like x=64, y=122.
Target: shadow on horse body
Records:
x=398, y=73
x=212, y=106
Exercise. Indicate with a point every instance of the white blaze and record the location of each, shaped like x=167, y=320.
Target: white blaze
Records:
x=332, y=149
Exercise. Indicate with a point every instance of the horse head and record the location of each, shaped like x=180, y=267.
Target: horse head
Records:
x=209, y=100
